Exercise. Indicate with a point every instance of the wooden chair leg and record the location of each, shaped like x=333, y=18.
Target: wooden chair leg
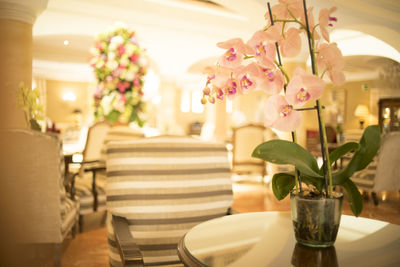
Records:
x=73, y=231
x=57, y=254
x=375, y=198
x=80, y=222
x=94, y=192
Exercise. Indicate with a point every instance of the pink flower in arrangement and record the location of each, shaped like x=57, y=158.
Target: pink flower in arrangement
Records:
x=99, y=46
x=264, y=46
x=122, y=98
x=122, y=86
x=109, y=78
x=121, y=49
x=325, y=20
x=235, y=49
x=303, y=87
x=280, y=115
x=134, y=58
x=329, y=58
x=291, y=45
x=247, y=77
x=136, y=82
x=271, y=80
x=98, y=91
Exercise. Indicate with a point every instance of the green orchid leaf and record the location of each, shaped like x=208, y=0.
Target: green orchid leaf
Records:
x=282, y=184
x=369, y=146
x=370, y=143
x=354, y=197
x=343, y=150
x=285, y=152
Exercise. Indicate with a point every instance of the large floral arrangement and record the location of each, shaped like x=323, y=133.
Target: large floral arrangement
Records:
x=256, y=64
x=119, y=65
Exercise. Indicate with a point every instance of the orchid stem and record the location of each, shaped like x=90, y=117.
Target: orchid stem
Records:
x=324, y=143
x=294, y=137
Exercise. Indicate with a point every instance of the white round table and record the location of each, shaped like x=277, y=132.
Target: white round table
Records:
x=267, y=239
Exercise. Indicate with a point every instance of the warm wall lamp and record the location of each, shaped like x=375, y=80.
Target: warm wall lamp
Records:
x=362, y=112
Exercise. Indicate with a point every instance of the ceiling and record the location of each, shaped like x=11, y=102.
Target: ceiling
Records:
x=180, y=35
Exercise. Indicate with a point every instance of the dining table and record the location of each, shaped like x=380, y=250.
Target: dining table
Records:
x=258, y=239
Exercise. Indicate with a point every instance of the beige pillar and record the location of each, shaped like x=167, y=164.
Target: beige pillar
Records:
x=16, y=20
x=15, y=67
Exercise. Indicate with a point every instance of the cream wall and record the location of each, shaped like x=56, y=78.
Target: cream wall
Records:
x=61, y=111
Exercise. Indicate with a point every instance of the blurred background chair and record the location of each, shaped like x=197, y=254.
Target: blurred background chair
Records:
x=40, y=211
x=157, y=189
x=91, y=175
x=90, y=184
x=383, y=173
x=245, y=139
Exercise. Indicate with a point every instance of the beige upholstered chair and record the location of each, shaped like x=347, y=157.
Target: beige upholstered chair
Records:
x=32, y=185
x=383, y=173
x=157, y=189
x=244, y=140
x=89, y=182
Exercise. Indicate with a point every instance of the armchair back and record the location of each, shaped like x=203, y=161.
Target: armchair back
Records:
x=32, y=171
x=164, y=186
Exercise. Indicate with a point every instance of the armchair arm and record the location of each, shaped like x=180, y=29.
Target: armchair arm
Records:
x=128, y=250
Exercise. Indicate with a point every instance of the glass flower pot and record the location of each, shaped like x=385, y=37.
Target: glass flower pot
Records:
x=315, y=219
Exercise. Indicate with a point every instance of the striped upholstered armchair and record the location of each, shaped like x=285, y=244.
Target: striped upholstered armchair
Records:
x=157, y=189
x=32, y=183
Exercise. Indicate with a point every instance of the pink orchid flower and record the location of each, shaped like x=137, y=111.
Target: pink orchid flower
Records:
x=281, y=10
x=263, y=44
x=325, y=20
x=271, y=80
x=231, y=88
x=291, y=45
x=235, y=49
x=280, y=115
x=303, y=87
x=329, y=58
x=247, y=77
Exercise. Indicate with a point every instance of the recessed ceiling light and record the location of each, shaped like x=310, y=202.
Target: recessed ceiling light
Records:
x=66, y=42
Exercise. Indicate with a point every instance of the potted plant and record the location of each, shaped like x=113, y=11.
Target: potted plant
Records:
x=29, y=101
x=256, y=64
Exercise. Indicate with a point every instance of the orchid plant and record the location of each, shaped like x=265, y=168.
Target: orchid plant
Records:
x=119, y=65
x=256, y=65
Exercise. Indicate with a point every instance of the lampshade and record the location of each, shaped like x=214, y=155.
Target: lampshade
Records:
x=361, y=111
